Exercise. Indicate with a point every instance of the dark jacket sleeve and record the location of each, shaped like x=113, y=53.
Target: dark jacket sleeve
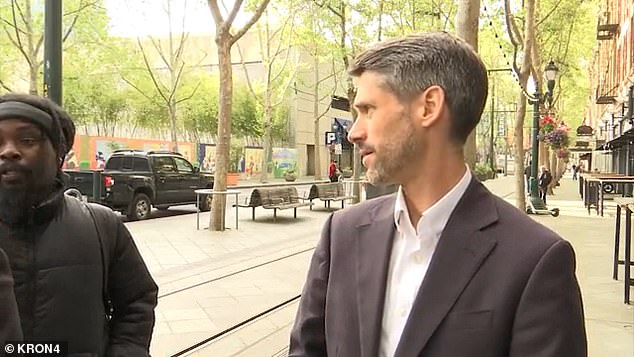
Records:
x=308, y=337
x=134, y=296
x=550, y=319
x=10, y=329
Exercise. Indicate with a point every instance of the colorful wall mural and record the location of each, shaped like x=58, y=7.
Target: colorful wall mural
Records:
x=89, y=153
x=92, y=152
x=252, y=161
x=207, y=157
x=284, y=159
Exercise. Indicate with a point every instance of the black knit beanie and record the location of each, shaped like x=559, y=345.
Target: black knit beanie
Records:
x=48, y=116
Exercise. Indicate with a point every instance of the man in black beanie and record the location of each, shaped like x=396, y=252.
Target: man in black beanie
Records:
x=78, y=276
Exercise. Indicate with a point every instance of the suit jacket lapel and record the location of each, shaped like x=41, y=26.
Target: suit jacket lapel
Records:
x=459, y=254
x=374, y=246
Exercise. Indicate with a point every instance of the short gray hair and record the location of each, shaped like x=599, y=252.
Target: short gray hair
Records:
x=413, y=63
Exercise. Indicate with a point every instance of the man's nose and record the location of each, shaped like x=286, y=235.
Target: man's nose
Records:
x=9, y=151
x=357, y=132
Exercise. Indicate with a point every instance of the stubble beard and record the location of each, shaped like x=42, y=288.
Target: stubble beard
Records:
x=399, y=151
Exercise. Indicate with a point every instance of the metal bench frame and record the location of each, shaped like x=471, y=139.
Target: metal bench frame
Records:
x=328, y=192
x=275, y=198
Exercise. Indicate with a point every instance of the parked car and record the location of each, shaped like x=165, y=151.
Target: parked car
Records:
x=133, y=182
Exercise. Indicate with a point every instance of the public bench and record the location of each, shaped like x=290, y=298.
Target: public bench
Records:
x=328, y=192
x=275, y=198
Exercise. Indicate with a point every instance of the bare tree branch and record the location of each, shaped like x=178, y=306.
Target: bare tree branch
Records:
x=333, y=10
x=246, y=74
x=18, y=40
x=12, y=25
x=511, y=25
x=326, y=78
x=157, y=46
x=516, y=38
x=548, y=14
x=215, y=12
x=332, y=92
x=82, y=7
x=189, y=96
x=283, y=67
x=232, y=15
x=20, y=12
x=139, y=90
x=253, y=20
x=38, y=45
x=70, y=28
x=151, y=72
x=3, y=85
x=177, y=81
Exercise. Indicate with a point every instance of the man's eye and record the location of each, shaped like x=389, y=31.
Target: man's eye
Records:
x=29, y=141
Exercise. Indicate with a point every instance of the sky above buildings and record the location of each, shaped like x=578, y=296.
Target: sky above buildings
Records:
x=132, y=18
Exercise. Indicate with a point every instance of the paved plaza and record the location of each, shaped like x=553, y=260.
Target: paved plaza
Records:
x=211, y=281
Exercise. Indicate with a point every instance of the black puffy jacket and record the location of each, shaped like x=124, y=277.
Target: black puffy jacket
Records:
x=56, y=258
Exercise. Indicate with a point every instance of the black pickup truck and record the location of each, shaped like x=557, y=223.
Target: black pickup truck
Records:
x=133, y=182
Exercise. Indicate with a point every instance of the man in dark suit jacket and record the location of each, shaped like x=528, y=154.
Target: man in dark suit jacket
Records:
x=442, y=268
x=9, y=320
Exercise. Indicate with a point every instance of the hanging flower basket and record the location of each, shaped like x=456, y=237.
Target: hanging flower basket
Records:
x=557, y=139
x=546, y=125
x=563, y=153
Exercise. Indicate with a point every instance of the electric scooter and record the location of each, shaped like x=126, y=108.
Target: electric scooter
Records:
x=535, y=205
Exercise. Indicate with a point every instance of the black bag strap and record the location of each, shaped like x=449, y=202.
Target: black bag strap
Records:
x=105, y=260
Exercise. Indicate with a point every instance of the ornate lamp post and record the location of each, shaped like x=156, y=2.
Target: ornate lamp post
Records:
x=550, y=72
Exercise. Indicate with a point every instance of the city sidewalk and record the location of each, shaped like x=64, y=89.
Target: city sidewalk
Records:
x=275, y=256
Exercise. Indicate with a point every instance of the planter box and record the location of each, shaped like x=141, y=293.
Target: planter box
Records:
x=232, y=178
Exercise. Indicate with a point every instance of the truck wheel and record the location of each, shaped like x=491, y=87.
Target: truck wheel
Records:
x=205, y=204
x=140, y=207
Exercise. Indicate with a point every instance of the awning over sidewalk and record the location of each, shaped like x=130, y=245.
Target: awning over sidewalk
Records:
x=626, y=139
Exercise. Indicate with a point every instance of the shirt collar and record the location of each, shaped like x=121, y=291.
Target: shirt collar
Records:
x=438, y=214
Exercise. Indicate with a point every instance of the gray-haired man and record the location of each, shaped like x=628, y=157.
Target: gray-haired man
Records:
x=443, y=267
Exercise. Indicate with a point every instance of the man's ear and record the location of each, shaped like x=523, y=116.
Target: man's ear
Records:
x=429, y=106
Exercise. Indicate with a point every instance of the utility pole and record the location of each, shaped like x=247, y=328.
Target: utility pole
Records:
x=53, y=50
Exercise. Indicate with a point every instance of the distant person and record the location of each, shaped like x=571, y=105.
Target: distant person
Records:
x=574, y=172
x=442, y=268
x=545, y=178
x=332, y=171
x=78, y=276
x=527, y=178
x=101, y=160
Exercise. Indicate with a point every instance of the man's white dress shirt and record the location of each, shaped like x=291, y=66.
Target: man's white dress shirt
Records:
x=411, y=254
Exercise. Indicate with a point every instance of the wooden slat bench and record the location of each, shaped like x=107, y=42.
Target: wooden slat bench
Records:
x=275, y=198
x=328, y=192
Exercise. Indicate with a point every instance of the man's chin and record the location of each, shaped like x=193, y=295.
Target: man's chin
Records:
x=376, y=178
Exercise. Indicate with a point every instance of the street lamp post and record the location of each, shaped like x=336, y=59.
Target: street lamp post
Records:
x=550, y=72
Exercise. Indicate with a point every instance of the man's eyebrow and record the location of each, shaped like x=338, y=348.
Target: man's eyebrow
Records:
x=29, y=128
x=362, y=104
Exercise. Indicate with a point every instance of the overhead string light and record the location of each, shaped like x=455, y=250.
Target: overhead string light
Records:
x=508, y=61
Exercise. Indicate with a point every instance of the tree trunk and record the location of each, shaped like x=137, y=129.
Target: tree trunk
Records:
x=520, y=180
x=316, y=116
x=33, y=77
x=529, y=41
x=172, y=113
x=217, y=217
x=268, y=114
x=467, y=18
